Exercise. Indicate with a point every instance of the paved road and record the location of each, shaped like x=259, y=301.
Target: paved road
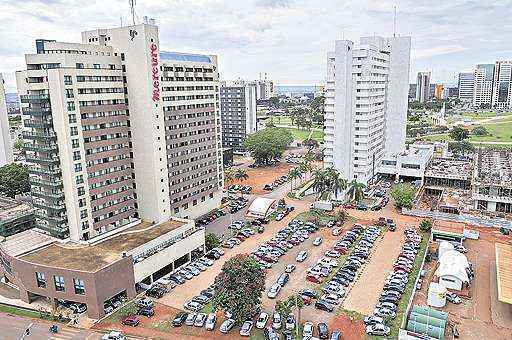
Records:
x=12, y=327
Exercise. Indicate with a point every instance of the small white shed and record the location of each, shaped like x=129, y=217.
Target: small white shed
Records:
x=452, y=270
x=261, y=207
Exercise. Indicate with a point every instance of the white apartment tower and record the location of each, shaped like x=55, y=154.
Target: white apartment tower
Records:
x=423, y=87
x=483, y=85
x=117, y=130
x=466, y=86
x=6, y=155
x=366, y=104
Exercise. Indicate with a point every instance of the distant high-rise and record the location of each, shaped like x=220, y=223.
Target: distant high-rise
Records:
x=6, y=155
x=238, y=113
x=423, y=90
x=483, y=84
x=502, y=85
x=265, y=89
x=366, y=104
x=466, y=85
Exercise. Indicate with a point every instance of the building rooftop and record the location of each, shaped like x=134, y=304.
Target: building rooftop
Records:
x=93, y=257
x=494, y=167
x=449, y=168
x=26, y=241
x=504, y=272
x=176, y=56
x=10, y=208
x=447, y=228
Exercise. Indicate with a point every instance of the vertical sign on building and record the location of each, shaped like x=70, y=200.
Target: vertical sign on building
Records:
x=155, y=72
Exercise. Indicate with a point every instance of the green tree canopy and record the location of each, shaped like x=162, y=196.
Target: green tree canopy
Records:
x=14, y=179
x=426, y=224
x=480, y=131
x=403, y=194
x=239, y=286
x=211, y=241
x=458, y=134
x=461, y=148
x=269, y=144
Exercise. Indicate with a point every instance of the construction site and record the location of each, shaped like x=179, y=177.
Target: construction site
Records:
x=480, y=185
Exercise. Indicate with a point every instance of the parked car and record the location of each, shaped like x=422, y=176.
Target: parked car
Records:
x=307, y=330
x=323, y=331
x=273, y=290
x=372, y=319
x=179, y=319
x=289, y=268
x=246, y=328
x=227, y=325
x=290, y=322
x=317, y=241
x=325, y=306
x=149, y=312
x=276, y=320
x=193, y=306
x=301, y=256
x=453, y=298
x=191, y=318
x=200, y=320
x=131, y=320
x=378, y=329
x=262, y=320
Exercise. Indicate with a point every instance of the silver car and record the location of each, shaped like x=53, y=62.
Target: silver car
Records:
x=246, y=328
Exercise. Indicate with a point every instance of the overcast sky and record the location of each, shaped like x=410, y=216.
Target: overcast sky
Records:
x=288, y=39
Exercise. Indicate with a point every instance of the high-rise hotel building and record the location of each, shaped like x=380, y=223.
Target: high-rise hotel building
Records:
x=366, y=104
x=116, y=130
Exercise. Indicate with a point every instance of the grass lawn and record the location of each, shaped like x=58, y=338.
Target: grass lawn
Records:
x=287, y=120
x=118, y=315
x=19, y=311
x=483, y=115
x=435, y=138
x=304, y=134
x=501, y=132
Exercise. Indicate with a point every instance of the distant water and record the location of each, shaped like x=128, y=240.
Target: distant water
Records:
x=296, y=89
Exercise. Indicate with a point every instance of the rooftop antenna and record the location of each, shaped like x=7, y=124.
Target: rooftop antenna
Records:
x=132, y=9
x=394, y=24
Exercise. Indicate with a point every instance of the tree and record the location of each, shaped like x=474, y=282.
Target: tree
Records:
x=356, y=190
x=335, y=182
x=286, y=306
x=293, y=175
x=403, y=194
x=239, y=286
x=461, y=148
x=229, y=175
x=319, y=179
x=458, y=134
x=426, y=225
x=18, y=145
x=480, y=131
x=14, y=179
x=211, y=241
x=268, y=144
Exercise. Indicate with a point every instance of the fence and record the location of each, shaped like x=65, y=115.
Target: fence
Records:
x=462, y=218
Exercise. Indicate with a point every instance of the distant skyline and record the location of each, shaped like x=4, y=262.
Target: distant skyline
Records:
x=287, y=39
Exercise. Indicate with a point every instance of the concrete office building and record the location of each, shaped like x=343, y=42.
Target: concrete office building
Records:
x=238, y=113
x=99, y=163
x=265, y=89
x=6, y=152
x=483, y=85
x=366, y=104
x=502, y=85
x=423, y=87
x=466, y=85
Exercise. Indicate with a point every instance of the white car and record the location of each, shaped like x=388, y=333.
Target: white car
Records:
x=246, y=328
x=289, y=268
x=307, y=331
x=290, y=322
x=113, y=335
x=274, y=290
x=331, y=298
x=276, y=321
x=200, y=320
x=317, y=241
x=301, y=256
x=210, y=322
x=262, y=320
x=332, y=289
x=336, y=231
x=332, y=253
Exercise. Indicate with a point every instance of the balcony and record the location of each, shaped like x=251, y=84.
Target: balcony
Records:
x=44, y=136
x=55, y=220
x=37, y=124
x=49, y=206
x=37, y=112
x=34, y=98
x=41, y=171
x=43, y=160
x=45, y=194
x=41, y=147
x=56, y=183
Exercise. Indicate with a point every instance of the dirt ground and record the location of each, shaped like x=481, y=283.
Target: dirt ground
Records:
x=480, y=315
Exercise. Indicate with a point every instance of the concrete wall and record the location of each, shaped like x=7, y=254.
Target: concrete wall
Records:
x=6, y=155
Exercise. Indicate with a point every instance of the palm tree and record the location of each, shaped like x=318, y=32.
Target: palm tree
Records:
x=337, y=183
x=241, y=175
x=229, y=175
x=356, y=190
x=293, y=175
x=304, y=167
x=319, y=179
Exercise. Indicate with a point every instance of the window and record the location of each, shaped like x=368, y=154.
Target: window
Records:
x=72, y=118
x=73, y=131
x=41, y=280
x=79, y=286
x=76, y=155
x=69, y=93
x=78, y=167
x=96, y=65
x=59, y=283
x=74, y=143
x=79, y=179
x=83, y=214
x=71, y=106
x=67, y=80
x=81, y=201
x=81, y=191
x=79, y=65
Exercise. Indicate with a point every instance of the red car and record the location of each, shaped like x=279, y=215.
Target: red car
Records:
x=131, y=320
x=307, y=300
x=402, y=268
x=340, y=249
x=314, y=278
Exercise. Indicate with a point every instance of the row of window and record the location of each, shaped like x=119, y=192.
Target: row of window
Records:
x=59, y=284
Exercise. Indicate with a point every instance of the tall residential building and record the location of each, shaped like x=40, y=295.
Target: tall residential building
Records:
x=265, y=89
x=366, y=104
x=423, y=87
x=238, y=113
x=483, y=84
x=6, y=155
x=439, y=91
x=117, y=130
x=502, y=85
x=466, y=85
